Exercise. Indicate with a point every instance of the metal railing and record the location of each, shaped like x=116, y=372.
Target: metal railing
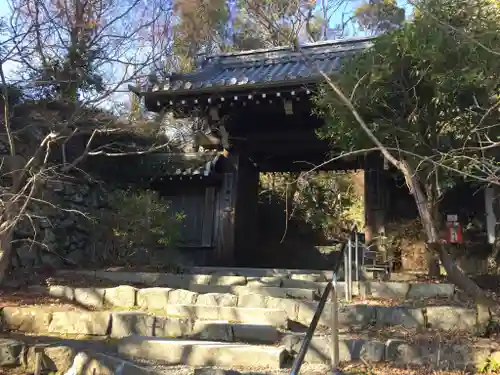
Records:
x=352, y=243
x=330, y=289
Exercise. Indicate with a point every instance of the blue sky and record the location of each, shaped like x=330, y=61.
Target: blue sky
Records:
x=337, y=18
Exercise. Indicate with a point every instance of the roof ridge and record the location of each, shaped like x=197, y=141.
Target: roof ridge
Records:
x=278, y=54
x=323, y=43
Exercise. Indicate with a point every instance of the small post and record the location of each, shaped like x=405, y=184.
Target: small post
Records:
x=349, y=261
x=335, y=327
x=38, y=360
x=356, y=255
x=346, y=272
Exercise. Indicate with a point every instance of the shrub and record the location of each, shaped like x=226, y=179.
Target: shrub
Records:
x=140, y=228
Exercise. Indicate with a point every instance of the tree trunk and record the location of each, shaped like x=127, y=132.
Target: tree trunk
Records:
x=6, y=252
x=454, y=274
x=432, y=196
x=433, y=260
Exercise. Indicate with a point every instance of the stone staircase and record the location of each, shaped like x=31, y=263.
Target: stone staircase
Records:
x=252, y=319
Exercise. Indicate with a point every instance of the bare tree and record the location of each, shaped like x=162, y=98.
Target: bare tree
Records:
x=85, y=50
x=74, y=55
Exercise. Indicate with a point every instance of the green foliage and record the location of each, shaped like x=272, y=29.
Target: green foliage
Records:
x=379, y=16
x=201, y=26
x=490, y=366
x=424, y=88
x=141, y=223
x=327, y=201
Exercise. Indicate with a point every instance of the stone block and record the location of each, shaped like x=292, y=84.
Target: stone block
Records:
x=354, y=315
x=295, y=293
x=199, y=279
x=290, y=307
x=391, y=290
x=205, y=289
x=349, y=315
x=80, y=323
x=215, y=331
x=314, y=277
x=61, y=291
x=217, y=371
x=90, y=297
x=96, y=363
x=228, y=280
x=125, y=324
x=193, y=312
x=291, y=341
x=307, y=310
x=31, y=320
x=439, y=355
x=11, y=352
x=297, y=283
x=217, y=299
x=349, y=350
x=264, y=281
x=274, y=317
x=320, y=350
x=202, y=353
x=120, y=296
x=400, y=316
x=54, y=358
x=153, y=298
x=182, y=297
x=172, y=327
x=369, y=351
x=400, y=352
x=423, y=290
x=252, y=300
x=483, y=319
x=451, y=318
x=255, y=333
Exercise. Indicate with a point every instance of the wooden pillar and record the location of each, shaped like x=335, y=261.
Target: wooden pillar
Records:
x=246, y=230
x=226, y=210
x=375, y=197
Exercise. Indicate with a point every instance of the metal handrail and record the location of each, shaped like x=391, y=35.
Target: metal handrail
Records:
x=330, y=287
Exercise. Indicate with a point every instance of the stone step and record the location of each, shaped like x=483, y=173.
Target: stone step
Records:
x=214, y=323
x=300, y=286
x=280, y=313
x=201, y=353
x=86, y=363
x=436, y=352
x=106, y=357
x=320, y=275
x=442, y=318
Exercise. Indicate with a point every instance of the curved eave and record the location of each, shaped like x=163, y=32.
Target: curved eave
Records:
x=183, y=99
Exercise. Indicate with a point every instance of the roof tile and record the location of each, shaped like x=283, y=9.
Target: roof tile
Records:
x=268, y=66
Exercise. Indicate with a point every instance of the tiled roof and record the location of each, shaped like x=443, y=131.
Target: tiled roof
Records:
x=158, y=165
x=265, y=67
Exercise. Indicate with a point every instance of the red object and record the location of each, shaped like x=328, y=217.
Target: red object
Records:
x=453, y=232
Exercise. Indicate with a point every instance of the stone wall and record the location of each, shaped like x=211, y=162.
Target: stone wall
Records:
x=61, y=227
x=71, y=224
